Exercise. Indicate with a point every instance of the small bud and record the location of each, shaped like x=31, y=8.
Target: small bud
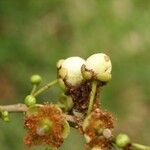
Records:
x=5, y=116
x=35, y=79
x=122, y=140
x=98, y=66
x=30, y=100
x=69, y=71
x=5, y=113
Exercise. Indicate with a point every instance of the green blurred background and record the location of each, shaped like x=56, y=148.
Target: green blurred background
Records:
x=34, y=34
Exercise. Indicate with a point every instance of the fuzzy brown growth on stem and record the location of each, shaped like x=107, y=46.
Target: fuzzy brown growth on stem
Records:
x=80, y=96
x=93, y=127
x=32, y=120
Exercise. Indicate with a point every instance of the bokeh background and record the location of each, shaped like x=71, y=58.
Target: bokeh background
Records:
x=34, y=34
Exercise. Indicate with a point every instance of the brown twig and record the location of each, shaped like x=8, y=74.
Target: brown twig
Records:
x=14, y=108
x=17, y=108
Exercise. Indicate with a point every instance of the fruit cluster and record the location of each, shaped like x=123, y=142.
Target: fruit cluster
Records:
x=80, y=81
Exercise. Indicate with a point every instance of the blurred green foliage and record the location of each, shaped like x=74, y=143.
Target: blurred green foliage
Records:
x=34, y=34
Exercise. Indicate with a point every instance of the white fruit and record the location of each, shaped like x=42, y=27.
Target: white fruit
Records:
x=98, y=66
x=69, y=71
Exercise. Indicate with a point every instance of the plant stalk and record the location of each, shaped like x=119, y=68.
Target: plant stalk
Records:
x=140, y=147
x=14, y=108
x=33, y=89
x=92, y=96
x=44, y=88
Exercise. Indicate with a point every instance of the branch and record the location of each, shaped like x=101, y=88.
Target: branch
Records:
x=14, y=108
x=17, y=108
x=20, y=108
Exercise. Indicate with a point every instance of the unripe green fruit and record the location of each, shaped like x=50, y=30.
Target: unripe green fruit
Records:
x=30, y=100
x=69, y=71
x=97, y=67
x=122, y=140
x=5, y=115
x=44, y=127
x=36, y=79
